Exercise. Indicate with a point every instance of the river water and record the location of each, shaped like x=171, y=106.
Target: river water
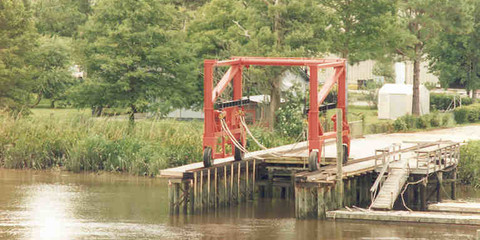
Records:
x=63, y=205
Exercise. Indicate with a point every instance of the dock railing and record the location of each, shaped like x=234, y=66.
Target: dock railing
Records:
x=439, y=158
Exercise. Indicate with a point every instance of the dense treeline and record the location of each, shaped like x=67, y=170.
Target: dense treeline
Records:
x=147, y=54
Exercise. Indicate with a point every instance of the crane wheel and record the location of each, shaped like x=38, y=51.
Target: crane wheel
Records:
x=207, y=157
x=313, y=164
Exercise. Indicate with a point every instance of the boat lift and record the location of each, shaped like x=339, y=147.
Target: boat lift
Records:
x=223, y=122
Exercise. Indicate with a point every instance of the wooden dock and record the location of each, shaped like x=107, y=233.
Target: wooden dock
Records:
x=407, y=176
x=406, y=216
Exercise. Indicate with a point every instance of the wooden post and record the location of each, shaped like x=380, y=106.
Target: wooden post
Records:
x=423, y=196
x=454, y=184
x=321, y=203
x=176, y=198
x=202, y=196
x=254, y=174
x=339, y=183
x=238, y=184
x=269, y=187
x=186, y=192
x=439, y=185
x=208, y=188
x=216, y=189
x=346, y=199
x=230, y=196
x=225, y=188
x=171, y=199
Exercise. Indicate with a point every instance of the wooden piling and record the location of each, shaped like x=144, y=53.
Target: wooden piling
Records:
x=454, y=184
x=171, y=199
x=439, y=186
x=340, y=189
x=321, y=203
x=423, y=196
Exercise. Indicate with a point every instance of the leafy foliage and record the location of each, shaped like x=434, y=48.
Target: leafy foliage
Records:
x=444, y=101
x=290, y=116
x=455, y=56
x=17, y=38
x=60, y=17
x=469, y=165
x=135, y=54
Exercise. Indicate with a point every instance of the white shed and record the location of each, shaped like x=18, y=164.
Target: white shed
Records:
x=395, y=100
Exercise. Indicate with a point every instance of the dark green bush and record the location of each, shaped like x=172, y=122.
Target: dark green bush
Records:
x=410, y=122
x=467, y=113
x=423, y=122
x=435, y=120
x=469, y=165
x=441, y=102
x=461, y=115
x=400, y=125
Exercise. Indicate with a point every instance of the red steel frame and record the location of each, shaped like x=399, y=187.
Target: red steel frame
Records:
x=213, y=134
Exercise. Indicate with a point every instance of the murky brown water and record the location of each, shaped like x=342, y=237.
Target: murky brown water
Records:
x=61, y=205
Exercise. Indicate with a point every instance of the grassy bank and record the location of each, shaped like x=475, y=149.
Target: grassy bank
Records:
x=73, y=140
x=469, y=166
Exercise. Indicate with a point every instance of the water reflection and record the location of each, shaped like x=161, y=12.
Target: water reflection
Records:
x=58, y=205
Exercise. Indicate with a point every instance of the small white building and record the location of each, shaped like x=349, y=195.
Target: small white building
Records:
x=395, y=100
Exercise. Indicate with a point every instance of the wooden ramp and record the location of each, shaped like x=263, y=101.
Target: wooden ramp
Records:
x=390, y=189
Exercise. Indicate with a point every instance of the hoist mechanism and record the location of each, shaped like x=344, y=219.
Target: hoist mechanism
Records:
x=223, y=121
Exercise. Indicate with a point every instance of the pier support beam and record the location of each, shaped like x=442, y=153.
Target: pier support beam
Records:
x=454, y=184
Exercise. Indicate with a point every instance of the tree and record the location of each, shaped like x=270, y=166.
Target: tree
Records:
x=134, y=54
x=361, y=30
x=455, y=57
x=423, y=20
x=224, y=28
x=52, y=74
x=17, y=38
x=60, y=17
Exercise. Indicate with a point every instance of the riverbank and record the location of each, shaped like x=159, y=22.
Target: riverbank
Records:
x=76, y=142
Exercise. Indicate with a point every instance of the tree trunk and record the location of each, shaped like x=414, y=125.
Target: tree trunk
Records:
x=52, y=104
x=39, y=98
x=274, y=101
x=474, y=95
x=97, y=111
x=416, y=82
x=131, y=117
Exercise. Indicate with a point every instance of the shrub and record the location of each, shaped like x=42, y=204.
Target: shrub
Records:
x=423, y=122
x=435, y=120
x=400, y=125
x=461, y=115
x=441, y=102
x=467, y=114
x=469, y=165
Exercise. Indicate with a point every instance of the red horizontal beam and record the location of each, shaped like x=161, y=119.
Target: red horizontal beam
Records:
x=280, y=61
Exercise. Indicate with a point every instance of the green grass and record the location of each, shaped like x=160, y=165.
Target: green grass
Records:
x=72, y=140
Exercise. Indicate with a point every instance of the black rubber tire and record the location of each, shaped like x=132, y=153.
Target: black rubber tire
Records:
x=238, y=155
x=313, y=164
x=345, y=154
x=207, y=157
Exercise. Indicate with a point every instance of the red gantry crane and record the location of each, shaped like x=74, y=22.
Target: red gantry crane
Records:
x=223, y=121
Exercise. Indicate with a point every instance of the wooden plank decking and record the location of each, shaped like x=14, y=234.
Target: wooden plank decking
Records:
x=406, y=216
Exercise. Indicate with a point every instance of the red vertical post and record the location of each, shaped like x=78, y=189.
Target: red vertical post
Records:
x=209, y=121
x=313, y=138
x=237, y=84
x=237, y=95
x=342, y=103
